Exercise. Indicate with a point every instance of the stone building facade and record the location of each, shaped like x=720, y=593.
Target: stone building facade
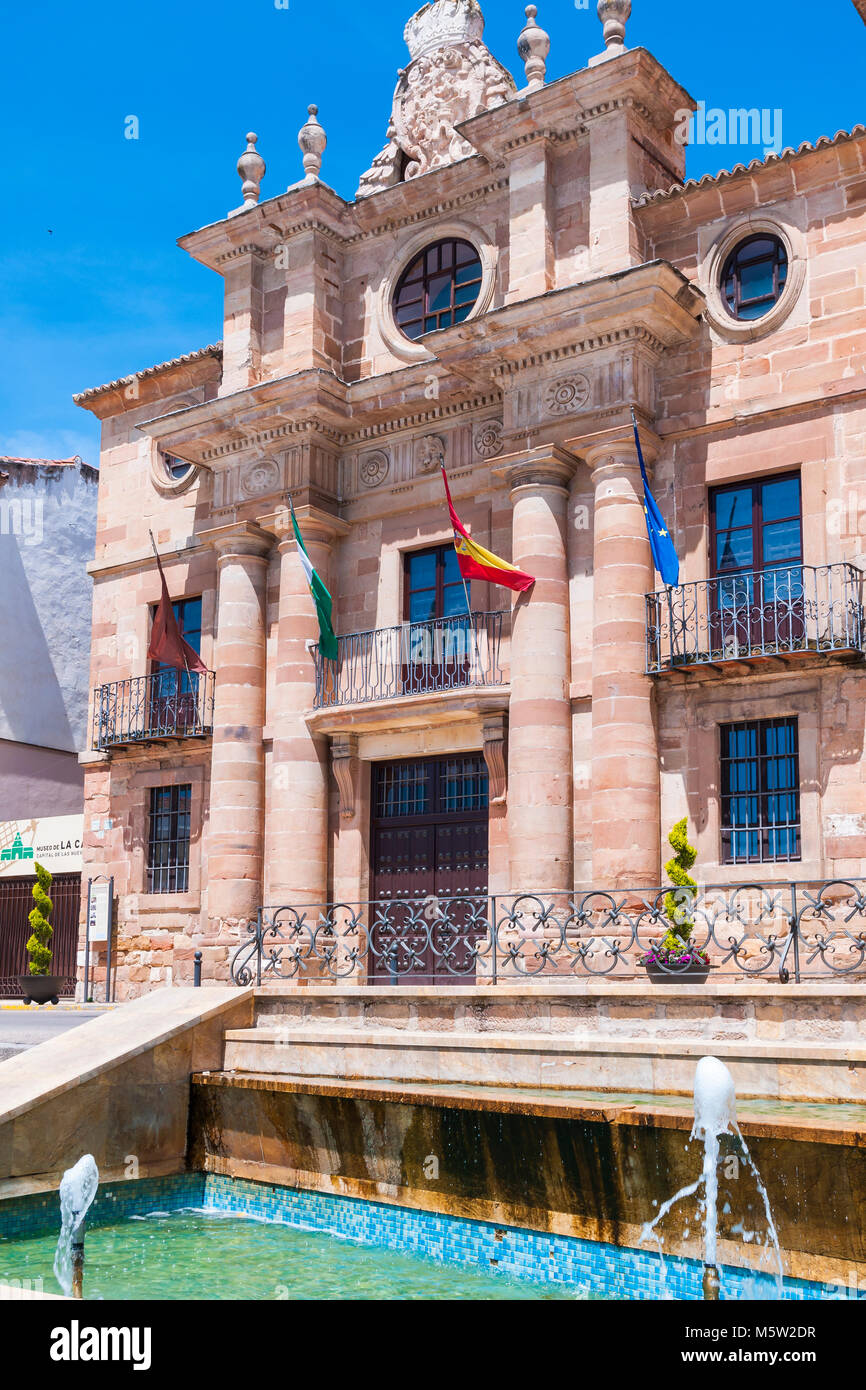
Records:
x=540, y=744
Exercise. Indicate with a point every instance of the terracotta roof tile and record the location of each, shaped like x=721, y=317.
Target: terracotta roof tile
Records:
x=824, y=142
x=213, y=350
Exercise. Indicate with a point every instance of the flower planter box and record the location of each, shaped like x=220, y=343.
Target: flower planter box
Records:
x=41, y=989
x=695, y=973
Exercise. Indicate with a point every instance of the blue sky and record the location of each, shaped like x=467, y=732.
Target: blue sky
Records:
x=92, y=285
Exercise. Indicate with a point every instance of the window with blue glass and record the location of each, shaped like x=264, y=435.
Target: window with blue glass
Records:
x=760, y=782
x=757, y=541
x=438, y=289
x=436, y=610
x=167, y=681
x=168, y=839
x=754, y=277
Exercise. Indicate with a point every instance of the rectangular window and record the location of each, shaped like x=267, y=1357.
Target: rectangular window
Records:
x=757, y=528
x=431, y=788
x=176, y=697
x=168, y=839
x=760, y=781
x=433, y=585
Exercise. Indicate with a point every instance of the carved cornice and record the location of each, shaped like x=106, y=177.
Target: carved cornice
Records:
x=623, y=336
x=257, y=439
x=441, y=208
x=235, y=253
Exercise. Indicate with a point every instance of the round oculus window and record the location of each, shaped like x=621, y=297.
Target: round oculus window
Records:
x=176, y=468
x=754, y=277
x=439, y=288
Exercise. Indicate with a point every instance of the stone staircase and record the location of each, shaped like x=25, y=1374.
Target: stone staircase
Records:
x=797, y=1042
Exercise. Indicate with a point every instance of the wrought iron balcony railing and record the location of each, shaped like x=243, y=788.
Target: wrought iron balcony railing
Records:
x=798, y=930
x=145, y=709
x=774, y=612
x=412, y=659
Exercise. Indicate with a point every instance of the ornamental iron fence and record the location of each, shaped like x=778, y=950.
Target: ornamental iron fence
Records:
x=792, y=609
x=142, y=709
x=792, y=930
x=412, y=659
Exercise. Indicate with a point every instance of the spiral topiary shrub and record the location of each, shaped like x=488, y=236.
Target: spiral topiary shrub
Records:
x=38, y=948
x=676, y=948
x=680, y=906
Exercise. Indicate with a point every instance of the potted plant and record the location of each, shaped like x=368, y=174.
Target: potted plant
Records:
x=676, y=957
x=39, y=986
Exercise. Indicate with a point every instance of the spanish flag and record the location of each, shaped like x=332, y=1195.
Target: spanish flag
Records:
x=477, y=563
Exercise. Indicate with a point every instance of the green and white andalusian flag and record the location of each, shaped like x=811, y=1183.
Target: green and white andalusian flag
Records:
x=321, y=598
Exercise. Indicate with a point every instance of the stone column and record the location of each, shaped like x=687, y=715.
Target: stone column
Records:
x=237, y=792
x=539, y=761
x=298, y=830
x=625, y=761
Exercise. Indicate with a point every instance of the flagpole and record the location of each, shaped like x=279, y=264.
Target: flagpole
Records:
x=466, y=592
x=668, y=587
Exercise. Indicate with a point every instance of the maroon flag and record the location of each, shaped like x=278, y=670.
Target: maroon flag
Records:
x=166, y=643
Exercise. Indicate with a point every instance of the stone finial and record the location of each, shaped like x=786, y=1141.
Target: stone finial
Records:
x=533, y=46
x=614, y=15
x=312, y=140
x=252, y=169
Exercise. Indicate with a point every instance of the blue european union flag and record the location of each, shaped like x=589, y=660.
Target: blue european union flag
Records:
x=664, y=556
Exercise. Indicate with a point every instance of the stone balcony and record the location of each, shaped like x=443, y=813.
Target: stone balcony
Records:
x=776, y=616
x=456, y=666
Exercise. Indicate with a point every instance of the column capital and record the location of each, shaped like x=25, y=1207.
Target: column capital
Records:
x=548, y=466
x=316, y=525
x=241, y=538
x=614, y=448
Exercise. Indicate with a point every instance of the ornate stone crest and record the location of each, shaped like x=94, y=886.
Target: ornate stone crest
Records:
x=568, y=396
x=430, y=453
x=262, y=476
x=452, y=76
x=488, y=439
x=373, y=468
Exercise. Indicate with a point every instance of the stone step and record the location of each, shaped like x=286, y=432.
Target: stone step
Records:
x=709, y=1014
x=804, y=1071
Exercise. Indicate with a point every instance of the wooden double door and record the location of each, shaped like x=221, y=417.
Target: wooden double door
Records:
x=428, y=908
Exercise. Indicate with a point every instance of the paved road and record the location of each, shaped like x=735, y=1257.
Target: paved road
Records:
x=21, y=1028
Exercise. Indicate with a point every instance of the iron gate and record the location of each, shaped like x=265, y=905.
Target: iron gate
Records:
x=16, y=902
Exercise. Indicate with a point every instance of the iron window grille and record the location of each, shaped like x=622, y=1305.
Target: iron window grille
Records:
x=760, y=782
x=169, y=839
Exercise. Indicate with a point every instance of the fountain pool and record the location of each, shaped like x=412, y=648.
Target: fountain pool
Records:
x=197, y=1236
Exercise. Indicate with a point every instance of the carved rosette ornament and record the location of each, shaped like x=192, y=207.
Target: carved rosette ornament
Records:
x=374, y=468
x=568, y=396
x=429, y=453
x=261, y=477
x=452, y=76
x=488, y=439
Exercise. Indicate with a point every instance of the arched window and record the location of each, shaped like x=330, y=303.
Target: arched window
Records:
x=439, y=288
x=754, y=277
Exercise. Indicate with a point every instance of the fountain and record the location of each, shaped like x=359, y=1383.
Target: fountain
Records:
x=77, y=1191
x=715, y=1115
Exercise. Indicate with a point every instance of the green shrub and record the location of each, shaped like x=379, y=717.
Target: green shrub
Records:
x=679, y=906
x=38, y=948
